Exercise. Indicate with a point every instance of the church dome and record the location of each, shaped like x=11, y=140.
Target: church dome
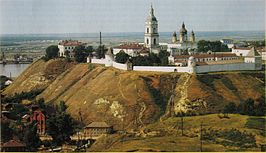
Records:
x=174, y=34
x=183, y=29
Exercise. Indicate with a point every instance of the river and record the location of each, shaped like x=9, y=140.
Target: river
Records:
x=14, y=69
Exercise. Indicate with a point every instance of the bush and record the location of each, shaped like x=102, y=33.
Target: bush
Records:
x=51, y=52
x=230, y=108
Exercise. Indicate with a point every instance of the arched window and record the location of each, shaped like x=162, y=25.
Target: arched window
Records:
x=147, y=41
x=148, y=30
x=154, y=41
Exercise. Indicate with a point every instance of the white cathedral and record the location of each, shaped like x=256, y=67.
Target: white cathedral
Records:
x=176, y=47
x=152, y=44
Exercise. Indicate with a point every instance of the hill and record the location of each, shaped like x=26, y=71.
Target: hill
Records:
x=98, y=93
x=236, y=133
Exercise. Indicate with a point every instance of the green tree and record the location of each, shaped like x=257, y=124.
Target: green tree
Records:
x=230, y=108
x=247, y=107
x=6, y=131
x=81, y=53
x=100, y=51
x=31, y=137
x=215, y=46
x=51, y=52
x=163, y=55
x=60, y=125
x=121, y=57
x=260, y=108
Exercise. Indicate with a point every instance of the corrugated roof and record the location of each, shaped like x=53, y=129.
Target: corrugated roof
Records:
x=98, y=125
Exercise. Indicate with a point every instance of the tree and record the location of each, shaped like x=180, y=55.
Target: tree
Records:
x=163, y=56
x=247, y=107
x=215, y=46
x=100, y=51
x=6, y=131
x=81, y=53
x=261, y=107
x=60, y=125
x=121, y=57
x=51, y=52
x=230, y=108
x=31, y=137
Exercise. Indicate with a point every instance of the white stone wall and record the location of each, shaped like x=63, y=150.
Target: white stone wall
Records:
x=225, y=67
x=98, y=61
x=120, y=66
x=163, y=69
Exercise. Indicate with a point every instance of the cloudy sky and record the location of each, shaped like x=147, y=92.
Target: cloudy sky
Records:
x=86, y=16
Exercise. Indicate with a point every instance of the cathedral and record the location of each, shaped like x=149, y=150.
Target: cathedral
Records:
x=176, y=47
x=183, y=36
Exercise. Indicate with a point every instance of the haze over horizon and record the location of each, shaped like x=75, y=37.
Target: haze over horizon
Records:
x=81, y=16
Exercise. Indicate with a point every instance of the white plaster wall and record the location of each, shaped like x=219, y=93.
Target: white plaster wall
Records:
x=162, y=69
x=225, y=67
x=120, y=66
x=238, y=52
x=98, y=61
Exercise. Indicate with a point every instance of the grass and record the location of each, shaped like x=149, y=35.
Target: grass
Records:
x=170, y=138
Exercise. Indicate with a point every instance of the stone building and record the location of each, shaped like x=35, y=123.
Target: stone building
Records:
x=67, y=47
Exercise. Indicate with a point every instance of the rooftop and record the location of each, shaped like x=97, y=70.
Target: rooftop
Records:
x=206, y=55
x=13, y=143
x=70, y=43
x=98, y=125
x=130, y=46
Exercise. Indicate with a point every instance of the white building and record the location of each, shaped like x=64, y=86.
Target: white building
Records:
x=201, y=59
x=151, y=35
x=254, y=57
x=243, y=51
x=67, y=47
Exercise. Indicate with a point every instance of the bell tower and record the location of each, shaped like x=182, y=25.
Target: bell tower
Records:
x=151, y=36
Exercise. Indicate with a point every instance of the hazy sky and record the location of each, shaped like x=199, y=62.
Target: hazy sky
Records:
x=85, y=16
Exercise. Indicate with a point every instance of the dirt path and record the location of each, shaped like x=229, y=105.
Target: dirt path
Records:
x=120, y=88
x=183, y=83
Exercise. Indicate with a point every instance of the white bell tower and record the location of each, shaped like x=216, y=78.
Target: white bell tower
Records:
x=151, y=36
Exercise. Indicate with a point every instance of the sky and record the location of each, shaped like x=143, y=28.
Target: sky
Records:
x=92, y=16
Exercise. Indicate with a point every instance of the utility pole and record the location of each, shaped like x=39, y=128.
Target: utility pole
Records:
x=201, y=137
x=182, y=125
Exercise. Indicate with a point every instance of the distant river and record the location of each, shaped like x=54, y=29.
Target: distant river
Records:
x=15, y=69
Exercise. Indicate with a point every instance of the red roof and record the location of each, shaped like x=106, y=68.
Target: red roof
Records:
x=70, y=43
x=13, y=143
x=130, y=46
x=205, y=55
x=242, y=48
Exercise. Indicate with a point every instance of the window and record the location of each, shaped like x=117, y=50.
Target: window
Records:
x=154, y=41
x=154, y=30
x=148, y=30
x=147, y=41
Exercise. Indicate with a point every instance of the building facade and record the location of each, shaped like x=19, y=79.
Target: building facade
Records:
x=97, y=129
x=66, y=47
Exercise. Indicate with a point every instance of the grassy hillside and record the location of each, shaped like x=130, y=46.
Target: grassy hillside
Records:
x=166, y=135
x=98, y=93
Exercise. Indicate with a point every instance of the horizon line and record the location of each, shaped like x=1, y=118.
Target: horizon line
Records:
x=125, y=32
